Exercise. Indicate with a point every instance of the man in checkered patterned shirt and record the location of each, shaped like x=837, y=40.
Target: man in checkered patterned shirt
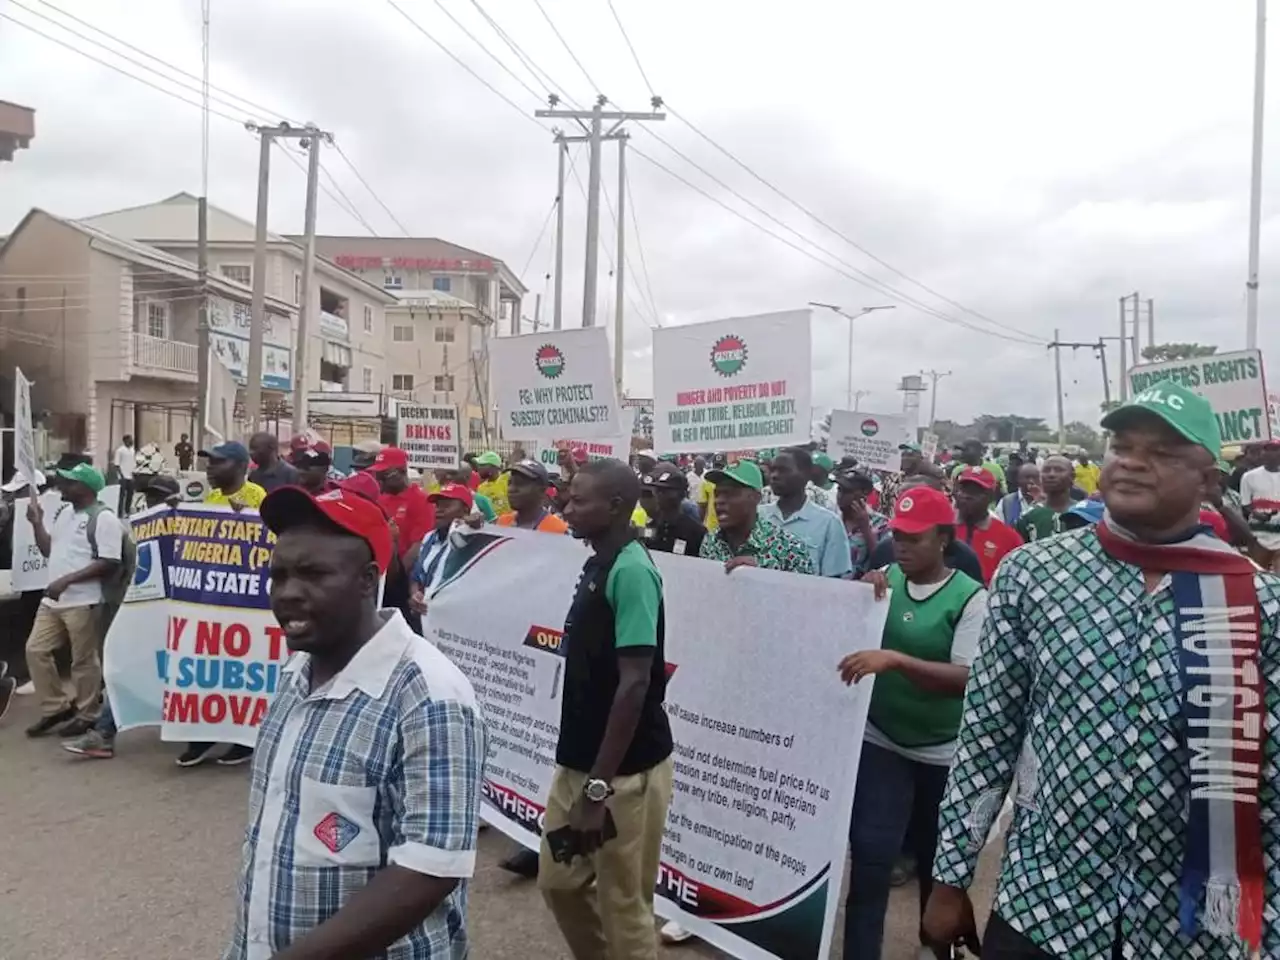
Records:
x=365, y=798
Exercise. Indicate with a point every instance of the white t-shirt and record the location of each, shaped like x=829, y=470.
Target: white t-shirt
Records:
x=126, y=457
x=964, y=647
x=70, y=551
x=1260, y=490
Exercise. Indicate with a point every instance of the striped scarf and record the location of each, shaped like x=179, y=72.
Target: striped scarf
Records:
x=1217, y=628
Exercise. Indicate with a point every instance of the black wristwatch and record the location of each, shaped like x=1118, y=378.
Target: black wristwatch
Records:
x=597, y=791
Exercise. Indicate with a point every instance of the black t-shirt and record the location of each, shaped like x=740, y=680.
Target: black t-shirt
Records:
x=185, y=453
x=683, y=536
x=957, y=556
x=596, y=635
x=279, y=474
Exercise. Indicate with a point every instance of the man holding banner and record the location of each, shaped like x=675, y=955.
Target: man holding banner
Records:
x=365, y=796
x=607, y=804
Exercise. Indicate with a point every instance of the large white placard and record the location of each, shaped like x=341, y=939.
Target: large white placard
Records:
x=1233, y=383
x=765, y=758
x=428, y=433
x=619, y=448
x=555, y=384
x=733, y=384
x=870, y=438
x=24, y=430
x=30, y=566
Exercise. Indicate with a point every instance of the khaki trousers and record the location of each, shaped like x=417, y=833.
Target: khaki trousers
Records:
x=612, y=920
x=52, y=629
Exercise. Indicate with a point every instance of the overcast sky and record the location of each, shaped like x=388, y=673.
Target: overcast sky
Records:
x=1032, y=162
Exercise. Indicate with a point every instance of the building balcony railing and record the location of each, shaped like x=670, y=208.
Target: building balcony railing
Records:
x=153, y=356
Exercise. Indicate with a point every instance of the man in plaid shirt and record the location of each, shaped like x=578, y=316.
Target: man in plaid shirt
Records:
x=365, y=798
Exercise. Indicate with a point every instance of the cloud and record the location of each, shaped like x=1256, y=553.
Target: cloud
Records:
x=1032, y=163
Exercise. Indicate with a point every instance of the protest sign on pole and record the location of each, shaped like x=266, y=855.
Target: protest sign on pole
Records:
x=24, y=430
x=1233, y=383
x=428, y=433
x=30, y=566
x=194, y=648
x=642, y=426
x=870, y=438
x=755, y=838
x=555, y=384
x=732, y=384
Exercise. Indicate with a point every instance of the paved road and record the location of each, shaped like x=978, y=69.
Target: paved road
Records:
x=135, y=859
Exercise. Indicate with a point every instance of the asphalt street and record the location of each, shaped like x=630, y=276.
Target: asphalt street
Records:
x=135, y=858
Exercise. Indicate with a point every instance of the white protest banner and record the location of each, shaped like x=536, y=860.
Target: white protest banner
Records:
x=555, y=384
x=870, y=438
x=732, y=384
x=30, y=566
x=643, y=424
x=765, y=759
x=619, y=448
x=194, y=649
x=1233, y=383
x=428, y=433
x=24, y=431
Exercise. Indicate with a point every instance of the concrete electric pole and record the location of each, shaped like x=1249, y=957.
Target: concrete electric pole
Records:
x=849, y=391
x=1101, y=350
x=935, y=376
x=592, y=122
x=558, y=310
x=1255, y=177
x=253, y=375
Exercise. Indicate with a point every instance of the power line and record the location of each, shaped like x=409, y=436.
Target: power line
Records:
x=853, y=243
x=635, y=223
x=539, y=75
x=634, y=56
x=552, y=24
x=340, y=198
x=879, y=285
x=537, y=243
x=490, y=54
x=872, y=284
x=396, y=220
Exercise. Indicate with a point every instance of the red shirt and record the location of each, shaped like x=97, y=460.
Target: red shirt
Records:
x=990, y=543
x=412, y=513
x=474, y=481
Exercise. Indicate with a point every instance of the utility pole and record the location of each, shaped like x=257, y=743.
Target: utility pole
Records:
x=308, y=279
x=935, y=376
x=1151, y=324
x=202, y=324
x=537, y=312
x=1137, y=314
x=1101, y=350
x=1123, y=371
x=595, y=134
x=1057, y=373
x=620, y=260
x=1255, y=178
x=253, y=376
x=857, y=397
x=559, y=301
x=849, y=391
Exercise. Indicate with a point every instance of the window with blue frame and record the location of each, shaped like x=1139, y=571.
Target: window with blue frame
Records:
x=441, y=283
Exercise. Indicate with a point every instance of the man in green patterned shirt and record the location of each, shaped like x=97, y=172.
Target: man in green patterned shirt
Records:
x=743, y=539
x=1077, y=694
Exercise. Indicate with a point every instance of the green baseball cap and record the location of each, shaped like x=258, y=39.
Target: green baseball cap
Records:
x=744, y=473
x=84, y=473
x=489, y=459
x=1189, y=414
x=823, y=462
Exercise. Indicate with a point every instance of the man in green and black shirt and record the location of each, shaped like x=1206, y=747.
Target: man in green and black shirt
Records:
x=1045, y=520
x=613, y=759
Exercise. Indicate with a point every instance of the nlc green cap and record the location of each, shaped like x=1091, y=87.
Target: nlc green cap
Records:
x=83, y=473
x=745, y=473
x=1186, y=412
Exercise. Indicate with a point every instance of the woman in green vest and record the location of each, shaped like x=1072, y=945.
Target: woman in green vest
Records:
x=930, y=638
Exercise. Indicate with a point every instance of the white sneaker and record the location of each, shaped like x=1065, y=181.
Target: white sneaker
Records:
x=26, y=689
x=672, y=932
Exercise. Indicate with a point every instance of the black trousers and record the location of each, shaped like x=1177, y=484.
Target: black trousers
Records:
x=126, y=497
x=1001, y=942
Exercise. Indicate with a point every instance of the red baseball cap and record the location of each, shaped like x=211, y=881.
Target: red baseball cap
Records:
x=288, y=507
x=921, y=508
x=390, y=458
x=979, y=475
x=454, y=491
x=362, y=484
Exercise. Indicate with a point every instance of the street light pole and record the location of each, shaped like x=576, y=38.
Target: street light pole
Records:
x=849, y=398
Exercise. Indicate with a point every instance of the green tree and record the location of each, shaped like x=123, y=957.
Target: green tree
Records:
x=1082, y=435
x=1161, y=352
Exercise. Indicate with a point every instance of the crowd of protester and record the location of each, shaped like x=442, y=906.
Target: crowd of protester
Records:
x=1041, y=645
